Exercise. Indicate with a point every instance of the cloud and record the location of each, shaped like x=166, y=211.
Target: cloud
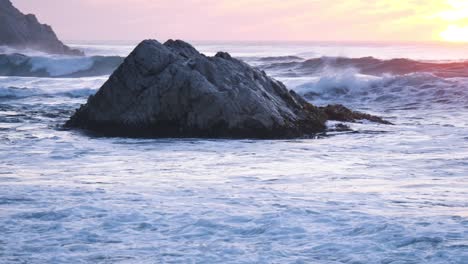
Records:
x=379, y=20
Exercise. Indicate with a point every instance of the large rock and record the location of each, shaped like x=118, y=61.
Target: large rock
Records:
x=171, y=90
x=25, y=32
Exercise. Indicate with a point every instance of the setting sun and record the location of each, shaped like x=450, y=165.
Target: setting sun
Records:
x=455, y=17
x=264, y=20
x=455, y=33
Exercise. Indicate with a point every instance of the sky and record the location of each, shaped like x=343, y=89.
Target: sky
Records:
x=254, y=20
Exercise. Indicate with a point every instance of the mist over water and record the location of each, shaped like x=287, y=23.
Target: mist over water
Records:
x=380, y=194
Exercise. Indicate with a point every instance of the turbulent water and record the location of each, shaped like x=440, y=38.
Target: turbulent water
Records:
x=381, y=194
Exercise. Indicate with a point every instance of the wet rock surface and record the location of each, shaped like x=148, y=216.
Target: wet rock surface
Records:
x=341, y=113
x=172, y=90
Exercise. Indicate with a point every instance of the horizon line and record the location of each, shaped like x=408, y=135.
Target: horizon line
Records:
x=381, y=42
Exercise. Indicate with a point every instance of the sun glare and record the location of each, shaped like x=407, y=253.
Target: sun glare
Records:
x=456, y=31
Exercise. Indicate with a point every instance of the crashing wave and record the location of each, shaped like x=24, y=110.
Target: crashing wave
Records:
x=352, y=87
x=369, y=66
x=280, y=59
x=18, y=93
x=25, y=87
x=57, y=66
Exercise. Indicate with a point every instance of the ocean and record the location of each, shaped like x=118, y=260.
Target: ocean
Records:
x=389, y=194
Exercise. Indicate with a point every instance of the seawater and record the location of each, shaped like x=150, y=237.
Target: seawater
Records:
x=379, y=194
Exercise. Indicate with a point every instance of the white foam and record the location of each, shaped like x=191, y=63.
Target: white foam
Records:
x=384, y=194
x=28, y=52
x=17, y=87
x=57, y=66
x=347, y=86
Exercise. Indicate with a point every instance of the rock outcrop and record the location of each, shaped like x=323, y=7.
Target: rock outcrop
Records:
x=339, y=112
x=172, y=90
x=25, y=32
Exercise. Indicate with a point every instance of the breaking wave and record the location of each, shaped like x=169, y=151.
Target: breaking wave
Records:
x=367, y=80
x=25, y=87
x=369, y=66
x=322, y=80
x=57, y=66
x=16, y=93
x=416, y=89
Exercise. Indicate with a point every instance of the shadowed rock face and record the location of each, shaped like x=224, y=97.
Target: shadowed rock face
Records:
x=24, y=31
x=171, y=90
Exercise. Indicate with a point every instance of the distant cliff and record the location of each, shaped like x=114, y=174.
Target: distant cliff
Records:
x=24, y=31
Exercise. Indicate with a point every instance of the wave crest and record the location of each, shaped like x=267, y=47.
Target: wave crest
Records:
x=369, y=66
x=57, y=66
x=350, y=86
x=18, y=93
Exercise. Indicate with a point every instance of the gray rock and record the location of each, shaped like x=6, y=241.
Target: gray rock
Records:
x=171, y=90
x=339, y=112
x=24, y=31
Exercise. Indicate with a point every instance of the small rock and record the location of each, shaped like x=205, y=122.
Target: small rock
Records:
x=339, y=112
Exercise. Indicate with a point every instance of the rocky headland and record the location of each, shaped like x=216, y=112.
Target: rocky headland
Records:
x=21, y=31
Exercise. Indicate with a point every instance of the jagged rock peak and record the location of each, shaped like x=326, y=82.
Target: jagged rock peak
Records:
x=182, y=48
x=171, y=90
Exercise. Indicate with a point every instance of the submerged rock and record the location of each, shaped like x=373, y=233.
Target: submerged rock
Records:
x=171, y=90
x=25, y=32
x=339, y=112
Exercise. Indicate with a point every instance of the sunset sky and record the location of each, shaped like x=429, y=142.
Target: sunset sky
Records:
x=250, y=20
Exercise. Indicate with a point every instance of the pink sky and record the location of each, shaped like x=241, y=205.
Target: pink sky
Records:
x=283, y=20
